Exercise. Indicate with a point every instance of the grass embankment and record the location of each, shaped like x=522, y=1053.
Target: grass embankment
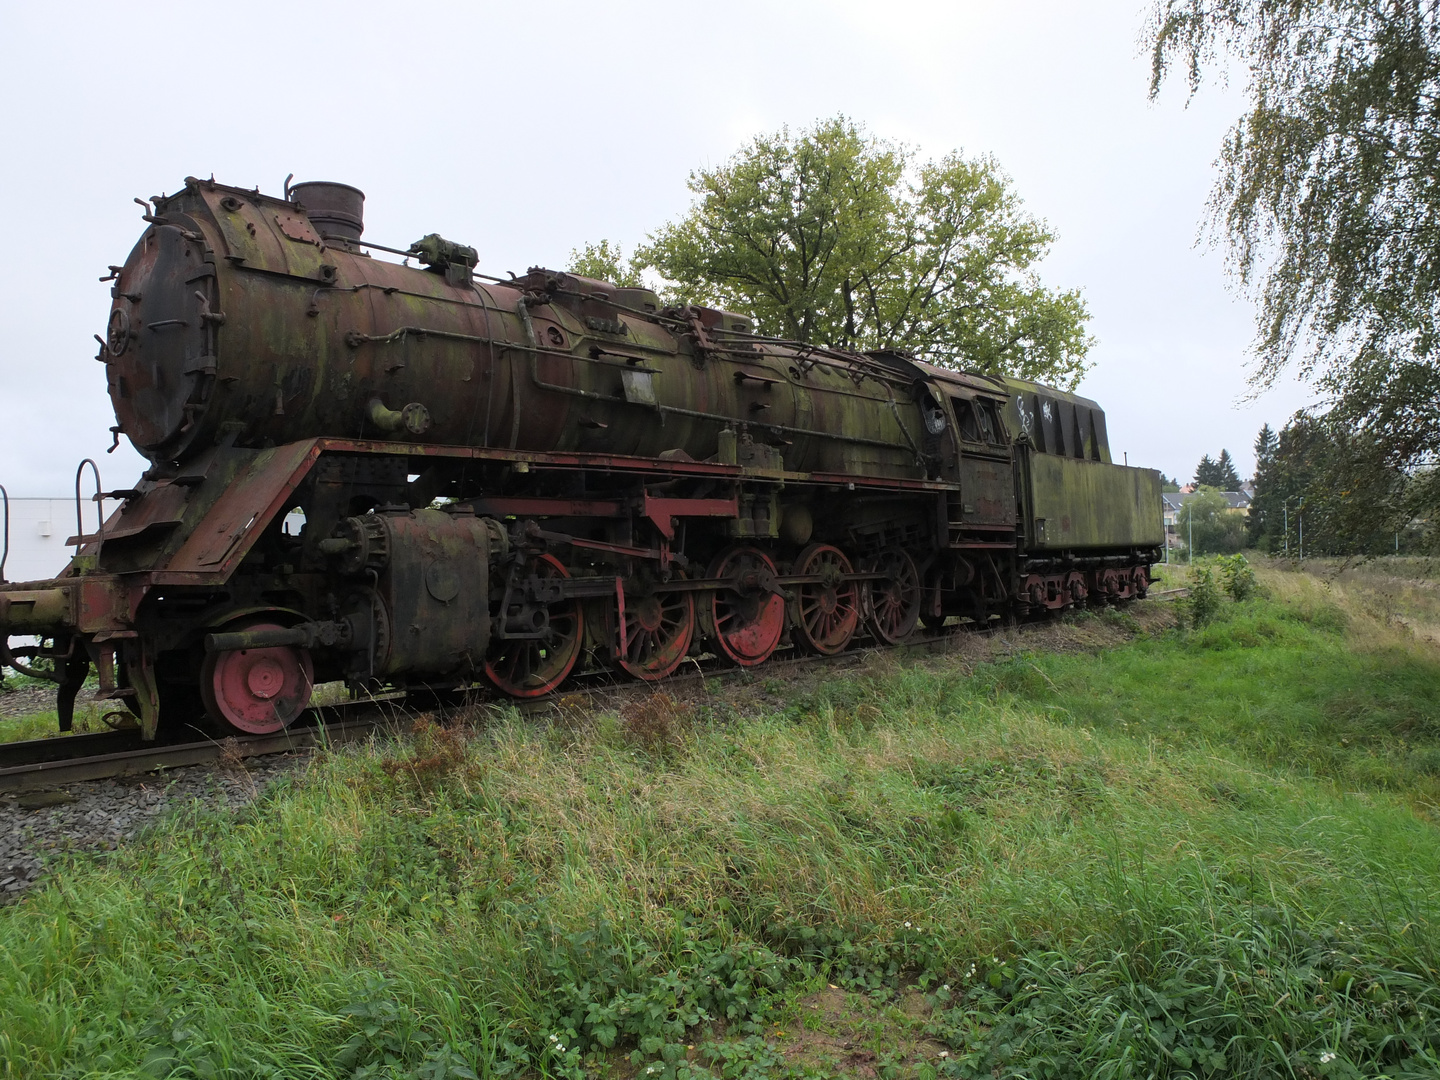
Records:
x=27, y=708
x=1200, y=853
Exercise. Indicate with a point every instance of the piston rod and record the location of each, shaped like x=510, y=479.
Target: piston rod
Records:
x=305, y=636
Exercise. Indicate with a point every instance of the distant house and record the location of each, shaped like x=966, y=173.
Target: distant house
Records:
x=1236, y=502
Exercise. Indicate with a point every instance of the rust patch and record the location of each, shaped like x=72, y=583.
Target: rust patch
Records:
x=297, y=227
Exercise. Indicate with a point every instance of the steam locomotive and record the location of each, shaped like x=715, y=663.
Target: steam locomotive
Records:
x=420, y=477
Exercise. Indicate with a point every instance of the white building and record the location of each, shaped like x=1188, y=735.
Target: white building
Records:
x=38, y=531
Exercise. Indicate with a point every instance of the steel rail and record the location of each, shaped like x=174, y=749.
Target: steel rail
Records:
x=48, y=774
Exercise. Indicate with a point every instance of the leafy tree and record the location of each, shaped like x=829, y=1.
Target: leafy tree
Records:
x=833, y=237
x=1327, y=192
x=1216, y=529
x=1169, y=483
x=605, y=261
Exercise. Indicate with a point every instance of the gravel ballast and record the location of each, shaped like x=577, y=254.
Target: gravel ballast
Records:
x=102, y=814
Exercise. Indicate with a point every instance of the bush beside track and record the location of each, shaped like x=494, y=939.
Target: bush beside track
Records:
x=1194, y=852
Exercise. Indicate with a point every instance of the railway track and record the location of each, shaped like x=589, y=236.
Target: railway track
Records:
x=41, y=764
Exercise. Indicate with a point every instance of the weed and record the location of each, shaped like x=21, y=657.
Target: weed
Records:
x=434, y=753
x=1238, y=576
x=656, y=724
x=1203, y=603
x=1121, y=620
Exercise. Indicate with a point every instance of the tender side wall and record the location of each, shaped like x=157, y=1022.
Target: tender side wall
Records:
x=1091, y=504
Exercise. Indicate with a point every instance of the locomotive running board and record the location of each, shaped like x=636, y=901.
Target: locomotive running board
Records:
x=261, y=489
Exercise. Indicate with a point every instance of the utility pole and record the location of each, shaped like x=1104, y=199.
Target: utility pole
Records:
x=1300, y=513
x=1285, y=509
x=1190, y=543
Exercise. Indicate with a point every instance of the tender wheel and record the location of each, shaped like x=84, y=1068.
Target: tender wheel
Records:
x=257, y=691
x=826, y=614
x=531, y=667
x=658, y=632
x=746, y=619
x=892, y=604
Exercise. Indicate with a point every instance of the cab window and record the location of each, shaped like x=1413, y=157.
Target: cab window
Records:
x=987, y=420
x=965, y=420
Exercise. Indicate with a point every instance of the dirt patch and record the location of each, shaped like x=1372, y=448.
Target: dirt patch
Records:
x=851, y=1034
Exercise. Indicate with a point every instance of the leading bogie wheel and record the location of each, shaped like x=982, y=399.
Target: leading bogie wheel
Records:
x=532, y=667
x=892, y=603
x=257, y=691
x=746, y=618
x=824, y=614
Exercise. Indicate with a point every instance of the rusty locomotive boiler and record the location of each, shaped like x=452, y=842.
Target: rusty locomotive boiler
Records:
x=422, y=477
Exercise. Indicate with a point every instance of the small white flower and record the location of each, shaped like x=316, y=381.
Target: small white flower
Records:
x=944, y=1053
x=945, y=987
x=554, y=1038
x=1327, y=1057
x=907, y=926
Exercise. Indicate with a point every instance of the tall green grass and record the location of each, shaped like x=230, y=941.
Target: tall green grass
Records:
x=1297, y=684
x=1123, y=864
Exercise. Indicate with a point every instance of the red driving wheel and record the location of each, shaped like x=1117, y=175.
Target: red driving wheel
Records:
x=532, y=667
x=257, y=691
x=825, y=613
x=658, y=631
x=745, y=617
x=892, y=603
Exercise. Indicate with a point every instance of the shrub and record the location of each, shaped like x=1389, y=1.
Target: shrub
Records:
x=1238, y=575
x=1203, y=603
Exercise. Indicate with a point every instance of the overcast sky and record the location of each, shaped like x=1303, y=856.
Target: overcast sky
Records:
x=526, y=130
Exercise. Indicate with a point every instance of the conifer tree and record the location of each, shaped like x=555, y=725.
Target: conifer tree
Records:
x=1226, y=476
x=1263, y=503
x=1205, y=472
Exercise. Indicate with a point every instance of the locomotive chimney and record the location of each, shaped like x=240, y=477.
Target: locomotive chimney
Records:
x=336, y=210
